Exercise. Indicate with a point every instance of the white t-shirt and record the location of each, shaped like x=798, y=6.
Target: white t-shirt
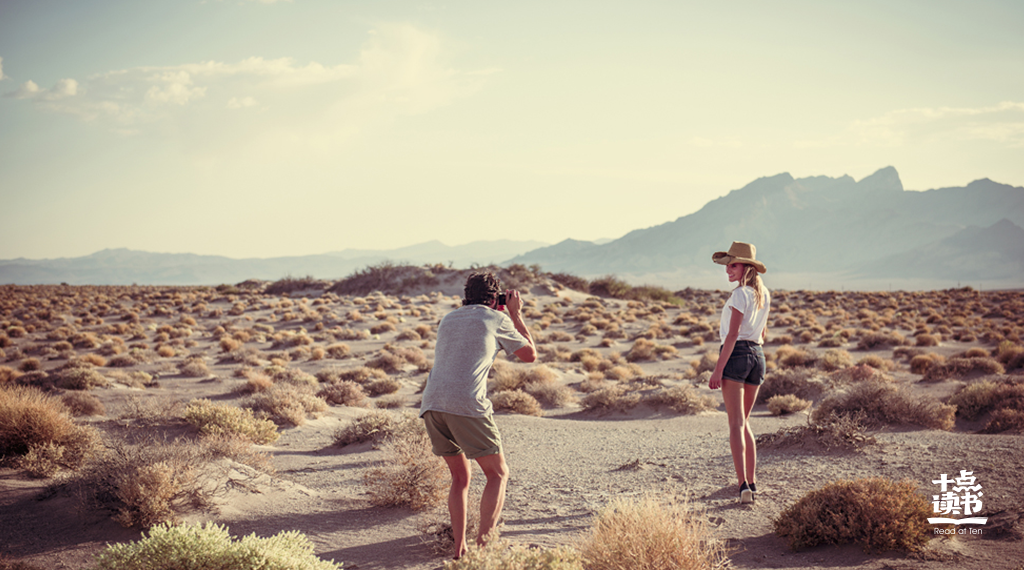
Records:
x=754, y=321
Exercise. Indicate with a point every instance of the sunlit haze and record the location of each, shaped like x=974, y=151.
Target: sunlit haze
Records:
x=263, y=129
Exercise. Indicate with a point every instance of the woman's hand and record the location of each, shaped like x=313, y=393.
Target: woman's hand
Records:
x=716, y=380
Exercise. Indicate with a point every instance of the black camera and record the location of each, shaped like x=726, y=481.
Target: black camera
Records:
x=501, y=299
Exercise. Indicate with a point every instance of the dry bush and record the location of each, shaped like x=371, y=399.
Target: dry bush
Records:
x=194, y=367
x=391, y=402
x=77, y=376
x=512, y=377
x=647, y=535
x=375, y=426
x=616, y=398
x=383, y=386
x=293, y=377
x=228, y=344
x=29, y=364
x=344, y=393
x=502, y=554
x=132, y=378
x=409, y=474
x=517, y=402
x=835, y=359
x=551, y=395
x=641, y=350
x=225, y=420
x=801, y=382
x=859, y=373
x=381, y=328
x=287, y=403
x=787, y=404
x=961, y=367
x=1005, y=420
x=38, y=430
x=831, y=432
x=791, y=357
x=361, y=375
x=256, y=382
x=1010, y=355
x=884, y=403
x=920, y=363
x=877, y=362
x=881, y=514
x=926, y=339
x=149, y=482
x=979, y=398
x=338, y=351
x=83, y=404
x=876, y=339
x=682, y=399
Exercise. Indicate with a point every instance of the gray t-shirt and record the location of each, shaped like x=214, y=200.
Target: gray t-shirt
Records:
x=468, y=339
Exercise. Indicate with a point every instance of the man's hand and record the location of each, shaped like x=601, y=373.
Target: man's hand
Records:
x=513, y=302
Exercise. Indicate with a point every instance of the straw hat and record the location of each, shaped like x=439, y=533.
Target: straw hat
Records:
x=739, y=252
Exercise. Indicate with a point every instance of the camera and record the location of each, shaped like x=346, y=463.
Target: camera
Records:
x=502, y=297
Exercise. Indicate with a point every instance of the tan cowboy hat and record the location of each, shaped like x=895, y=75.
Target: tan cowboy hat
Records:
x=739, y=252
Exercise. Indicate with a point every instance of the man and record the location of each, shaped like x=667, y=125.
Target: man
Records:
x=455, y=408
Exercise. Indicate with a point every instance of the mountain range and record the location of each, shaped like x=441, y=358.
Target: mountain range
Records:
x=812, y=233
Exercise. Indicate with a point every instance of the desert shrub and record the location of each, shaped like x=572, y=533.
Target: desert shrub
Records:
x=194, y=367
x=94, y=359
x=83, y=404
x=925, y=339
x=291, y=284
x=616, y=398
x=73, y=376
x=876, y=339
x=338, y=351
x=787, y=404
x=29, y=364
x=551, y=395
x=961, y=367
x=884, y=403
x=1010, y=355
x=1005, y=420
x=215, y=420
x=647, y=535
x=877, y=362
x=516, y=401
x=383, y=386
x=512, y=377
x=791, y=357
x=344, y=393
x=642, y=349
x=293, y=377
x=835, y=359
x=228, y=344
x=208, y=545
x=502, y=554
x=831, y=432
x=920, y=363
x=801, y=382
x=256, y=382
x=39, y=426
x=979, y=398
x=682, y=399
x=361, y=375
x=287, y=403
x=880, y=513
x=860, y=372
x=381, y=328
x=375, y=426
x=409, y=474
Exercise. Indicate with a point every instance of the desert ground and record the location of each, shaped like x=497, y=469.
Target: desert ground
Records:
x=616, y=406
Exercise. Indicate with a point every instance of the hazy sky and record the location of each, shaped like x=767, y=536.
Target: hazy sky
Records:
x=261, y=129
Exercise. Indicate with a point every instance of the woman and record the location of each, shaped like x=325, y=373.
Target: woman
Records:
x=743, y=328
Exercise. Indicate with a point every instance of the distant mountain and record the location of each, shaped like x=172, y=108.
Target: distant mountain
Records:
x=839, y=228
x=125, y=266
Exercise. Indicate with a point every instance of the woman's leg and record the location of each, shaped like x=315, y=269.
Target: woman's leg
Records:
x=733, y=394
x=750, y=457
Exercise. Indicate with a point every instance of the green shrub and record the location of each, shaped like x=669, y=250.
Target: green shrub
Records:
x=647, y=535
x=213, y=419
x=881, y=514
x=209, y=546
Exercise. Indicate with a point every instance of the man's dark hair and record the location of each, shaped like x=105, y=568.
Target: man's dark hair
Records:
x=481, y=289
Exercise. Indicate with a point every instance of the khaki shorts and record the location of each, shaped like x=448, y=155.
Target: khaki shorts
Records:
x=451, y=435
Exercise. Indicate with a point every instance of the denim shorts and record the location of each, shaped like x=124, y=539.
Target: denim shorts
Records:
x=746, y=364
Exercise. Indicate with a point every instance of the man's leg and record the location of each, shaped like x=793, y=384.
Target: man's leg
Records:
x=493, y=499
x=458, y=498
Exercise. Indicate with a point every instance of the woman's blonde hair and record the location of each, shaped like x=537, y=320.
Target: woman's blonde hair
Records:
x=752, y=279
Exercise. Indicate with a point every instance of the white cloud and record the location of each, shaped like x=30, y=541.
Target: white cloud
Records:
x=1002, y=123
x=399, y=70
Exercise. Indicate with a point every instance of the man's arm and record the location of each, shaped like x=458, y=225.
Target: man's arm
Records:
x=515, y=312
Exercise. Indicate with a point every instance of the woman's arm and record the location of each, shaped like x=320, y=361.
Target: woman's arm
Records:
x=735, y=320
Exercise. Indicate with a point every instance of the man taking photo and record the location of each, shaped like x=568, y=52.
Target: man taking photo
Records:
x=458, y=416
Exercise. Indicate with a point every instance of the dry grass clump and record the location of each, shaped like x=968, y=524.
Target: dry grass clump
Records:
x=502, y=554
x=884, y=403
x=37, y=431
x=551, y=395
x=383, y=386
x=644, y=349
x=375, y=426
x=615, y=398
x=344, y=393
x=926, y=339
x=194, y=366
x=959, y=367
x=338, y=351
x=801, y=382
x=880, y=513
x=409, y=474
x=1010, y=355
x=791, y=357
x=517, y=402
x=361, y=375
x=83, y=404
x=393, y=359
x=149, y=482
x=831, y=432
x=787, y=404
x=835, y=359
x=1005, y=420
x=876, y=339
x=919, y=364
x=512, y=377
x=645, y=534
x=682, y=399
x=979, y=398
x=224, y=420
x=287, y=403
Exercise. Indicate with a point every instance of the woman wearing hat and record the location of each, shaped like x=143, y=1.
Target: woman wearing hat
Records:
x=740, y=369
